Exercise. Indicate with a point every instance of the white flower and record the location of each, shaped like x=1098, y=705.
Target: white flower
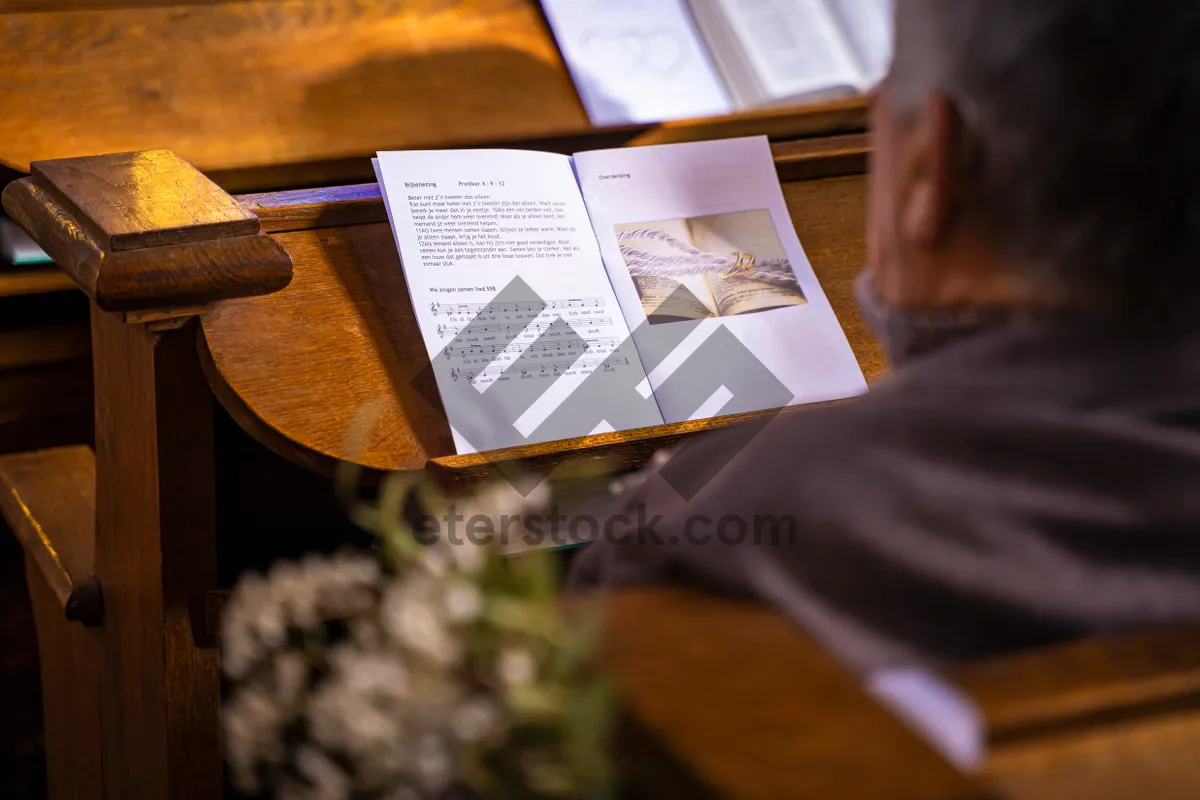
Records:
x=253, y=726
x=469, y=558
x=463, y=602
x=502, y=499
x=516, y=667
x=380, y=675
x=411, y=617
x=436, y=694
x=420, y=631
x=240, y=650
x=475, y=720
x=291, y=678
x=434, y=561
x=346, y=584
x=261, y=611
x=355, y=724
x=326, y=778
x=433, y=764
x=496, y=500
x=366, y=633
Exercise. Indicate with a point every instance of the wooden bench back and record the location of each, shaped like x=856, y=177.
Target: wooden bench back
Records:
x=284, y=93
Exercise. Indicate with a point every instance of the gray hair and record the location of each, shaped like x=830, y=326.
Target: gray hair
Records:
x=1083, y=143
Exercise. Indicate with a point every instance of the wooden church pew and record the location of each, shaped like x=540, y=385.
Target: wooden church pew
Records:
x=278, y=315
x=165, y=344
x=266, y=94
x=286, y=93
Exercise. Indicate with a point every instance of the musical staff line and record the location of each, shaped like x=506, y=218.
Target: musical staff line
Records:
x=496, y=369
x=509, y=308
x=536, y=347
x=538, y=327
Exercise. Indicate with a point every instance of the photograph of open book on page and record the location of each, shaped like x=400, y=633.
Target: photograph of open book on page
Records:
x=639, y=61
x=535, y=327
x=713, y=266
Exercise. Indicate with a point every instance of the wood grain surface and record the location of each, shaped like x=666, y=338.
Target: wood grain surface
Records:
x=150, y=198
x=268, y=94
x=241, y=84
x=48, y=498
x=756, y=709
x=155, y=560
x=145, y=231
x=1096, y=682
x=17, y=281
x=70, y=659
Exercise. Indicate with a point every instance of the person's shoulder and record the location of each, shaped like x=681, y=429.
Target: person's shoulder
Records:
x=883, y=413
x=857, y=436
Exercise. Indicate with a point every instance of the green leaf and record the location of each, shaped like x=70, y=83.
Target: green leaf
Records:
x=588, y=728
x=581, y=639
x=538, y=703
x=397, y=535
x=541, y=574
x=522, y=616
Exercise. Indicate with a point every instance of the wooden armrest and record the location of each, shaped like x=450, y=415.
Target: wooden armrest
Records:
x=731, y=700
x=145, y=231
x=48, y=498
x=1087, y=683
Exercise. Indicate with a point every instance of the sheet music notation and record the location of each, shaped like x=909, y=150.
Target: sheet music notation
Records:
x=514, y=308
x=495, y=369
x=537, y=327
x=536, y=347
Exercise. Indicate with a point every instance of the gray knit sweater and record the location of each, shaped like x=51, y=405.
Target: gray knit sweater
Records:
x=1025, y=486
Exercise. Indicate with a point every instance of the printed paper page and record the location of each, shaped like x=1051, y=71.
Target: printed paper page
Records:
x=794, y=46
x=718, y=209
x=867, y=25
x=510, y=294
x=636, y=61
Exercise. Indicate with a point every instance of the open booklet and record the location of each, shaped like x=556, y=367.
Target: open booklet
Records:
x=619, y=289
x=639, y=61
x=776, y=51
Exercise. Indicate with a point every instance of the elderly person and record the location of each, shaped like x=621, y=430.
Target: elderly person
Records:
x=1030, y=472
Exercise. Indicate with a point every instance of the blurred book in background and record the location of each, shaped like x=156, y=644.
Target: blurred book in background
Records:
x=642, y=61
x=16, y=248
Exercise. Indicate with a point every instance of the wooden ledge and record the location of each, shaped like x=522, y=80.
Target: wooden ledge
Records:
x=48, y=498
x=755, y=709
x=361, y=204
x=1094, y=682
x=140, y=231
x=47, y=279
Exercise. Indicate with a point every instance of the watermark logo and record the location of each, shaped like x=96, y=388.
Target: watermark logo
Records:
x=719, y=377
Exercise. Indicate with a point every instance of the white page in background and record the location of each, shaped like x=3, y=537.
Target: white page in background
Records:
x=803, y=346
x=795, y=45
x=16, y=247
x=636, y=61
x=867, y=25
x=503, y=194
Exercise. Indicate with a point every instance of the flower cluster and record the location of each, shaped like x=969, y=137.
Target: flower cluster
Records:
x=401, y=676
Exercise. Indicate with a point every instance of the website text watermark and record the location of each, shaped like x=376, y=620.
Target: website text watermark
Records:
x=633, y=526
